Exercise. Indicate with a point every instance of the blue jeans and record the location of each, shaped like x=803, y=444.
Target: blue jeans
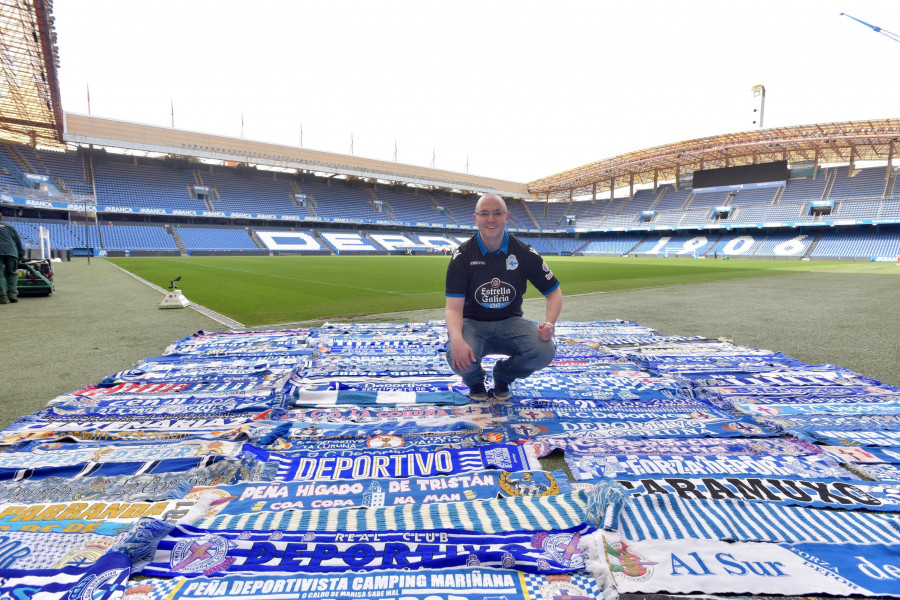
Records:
x=516, y=337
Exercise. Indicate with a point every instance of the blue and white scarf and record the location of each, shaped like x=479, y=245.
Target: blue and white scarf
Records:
x=191, y=552
x=152, y=487
x=105, y=578
x=374, y=493
x=589, y=468
x=667, y=517
x=813, y=423
x=544, y=445
x=328, y=398
x=470, y=583
x=798, y=407
x=55, y=454
x=446, y=461
x=423, y=441
x=659, y=428
x=817, y=493
x=856, y=438
x=717, y=567
x=103, y=469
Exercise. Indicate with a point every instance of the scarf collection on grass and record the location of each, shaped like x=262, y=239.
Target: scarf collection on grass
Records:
x=347, y=461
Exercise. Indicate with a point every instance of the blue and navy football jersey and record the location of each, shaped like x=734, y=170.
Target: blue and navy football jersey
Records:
x=493, y=283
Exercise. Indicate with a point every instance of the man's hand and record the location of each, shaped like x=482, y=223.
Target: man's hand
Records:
x=462, y=355
x=545, y=331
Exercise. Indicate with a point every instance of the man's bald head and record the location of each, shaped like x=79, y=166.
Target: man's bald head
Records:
x=490, y=200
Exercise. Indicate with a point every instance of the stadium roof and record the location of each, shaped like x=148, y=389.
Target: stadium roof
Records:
x=83, y=129
x=845, y=142
x=30, y=111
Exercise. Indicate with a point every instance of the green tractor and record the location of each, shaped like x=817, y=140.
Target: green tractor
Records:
x=35, y=278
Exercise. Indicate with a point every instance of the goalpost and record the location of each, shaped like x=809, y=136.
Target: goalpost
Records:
x=44, y=236
x=676, y=253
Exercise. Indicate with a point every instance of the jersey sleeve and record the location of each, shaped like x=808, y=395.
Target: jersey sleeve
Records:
x=539, y=273
x=457, y=281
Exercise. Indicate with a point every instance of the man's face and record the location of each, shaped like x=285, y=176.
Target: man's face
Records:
x=491, y=218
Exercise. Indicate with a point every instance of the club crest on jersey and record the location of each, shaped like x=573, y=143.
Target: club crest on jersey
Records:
x=511, y=262
x=495, y=294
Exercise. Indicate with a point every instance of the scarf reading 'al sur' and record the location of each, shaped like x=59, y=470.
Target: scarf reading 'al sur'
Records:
x=717, y=567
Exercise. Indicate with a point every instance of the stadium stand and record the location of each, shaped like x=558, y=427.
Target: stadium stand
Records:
x=735, y=245
x=710, y=200
x=64, y=235
x=763, y=197
x=784, y=244
x=643, y=200
x=614, y=246
x=672, y=199
x=251, y=192
x=144, y=185
x=411, y=207
x=216, y=239
x=835, y=244
x=799, y=191
x=865, y=184
x=562, y=246
x=137, y=238
x=234, y=203
x=341, y=199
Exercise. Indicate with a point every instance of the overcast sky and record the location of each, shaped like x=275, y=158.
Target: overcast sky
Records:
x=519, y=89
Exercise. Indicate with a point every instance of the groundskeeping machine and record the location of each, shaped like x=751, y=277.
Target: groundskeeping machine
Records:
x=35, y=277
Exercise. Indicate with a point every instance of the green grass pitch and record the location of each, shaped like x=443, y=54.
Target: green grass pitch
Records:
x=263, y=290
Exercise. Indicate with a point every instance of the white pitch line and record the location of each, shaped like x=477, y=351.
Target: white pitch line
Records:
x=207, y=312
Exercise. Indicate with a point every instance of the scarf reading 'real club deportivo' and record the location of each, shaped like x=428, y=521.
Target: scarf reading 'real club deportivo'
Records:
x=460, y=584
x=279, y=552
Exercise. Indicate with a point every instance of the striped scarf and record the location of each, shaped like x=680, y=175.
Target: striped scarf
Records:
x=490, y=516
x=664, y=517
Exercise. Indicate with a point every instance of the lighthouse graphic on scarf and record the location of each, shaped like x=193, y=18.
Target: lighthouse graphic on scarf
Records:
x=374, y=496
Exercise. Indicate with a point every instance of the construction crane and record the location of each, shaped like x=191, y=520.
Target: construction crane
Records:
x=875, y=28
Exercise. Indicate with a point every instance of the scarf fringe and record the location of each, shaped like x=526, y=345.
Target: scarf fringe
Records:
x=593, y=547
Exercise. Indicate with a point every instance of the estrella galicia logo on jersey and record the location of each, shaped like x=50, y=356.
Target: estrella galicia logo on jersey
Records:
x=512, y=262
x=495, y=294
